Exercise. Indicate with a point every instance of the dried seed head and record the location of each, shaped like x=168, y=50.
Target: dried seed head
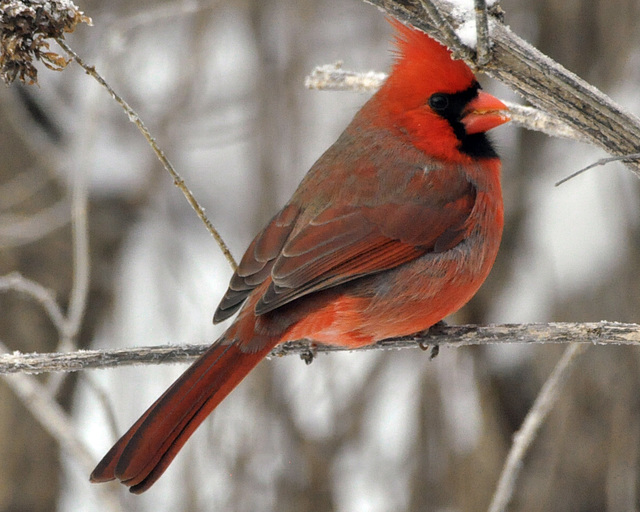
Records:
x=25, y=27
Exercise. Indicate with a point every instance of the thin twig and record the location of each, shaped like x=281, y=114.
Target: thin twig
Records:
x=21, y=187
x=80, y=261
x=177, y=179
x=599, y=333
x=154, y=14
x=602, y=161
x=548, y=396
x=483, y=48
x=57, y=423
x=44, y=296
x=17, y=230
x=80, y=264
x=105, y=402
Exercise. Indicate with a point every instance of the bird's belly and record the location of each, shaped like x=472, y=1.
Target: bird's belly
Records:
x=398, y=302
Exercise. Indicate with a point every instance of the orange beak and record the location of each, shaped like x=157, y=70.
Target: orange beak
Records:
x=483, y=113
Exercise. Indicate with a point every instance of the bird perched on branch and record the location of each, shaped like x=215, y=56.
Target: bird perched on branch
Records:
x=393, y=228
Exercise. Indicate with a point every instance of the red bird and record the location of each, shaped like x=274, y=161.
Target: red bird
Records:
x=395, y=227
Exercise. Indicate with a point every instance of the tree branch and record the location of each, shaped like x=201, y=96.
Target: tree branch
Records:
x=41, y=404
x=178, y=181
x=522, y=440
x=597, y=333
x=44, y=296
x=483, y=46
x=446, y=31
x=332, y=77
x=540, y=80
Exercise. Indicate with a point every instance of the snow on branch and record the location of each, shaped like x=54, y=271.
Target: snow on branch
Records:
x=332, y=77
x=582, y=112
x=597, y=333
x=541, y=81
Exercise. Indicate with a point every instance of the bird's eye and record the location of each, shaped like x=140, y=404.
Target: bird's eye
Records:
x=439, y=102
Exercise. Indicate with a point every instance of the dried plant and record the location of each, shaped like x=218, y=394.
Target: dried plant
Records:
x=25, y=28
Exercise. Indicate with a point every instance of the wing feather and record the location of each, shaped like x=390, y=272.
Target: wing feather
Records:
x=303, y=253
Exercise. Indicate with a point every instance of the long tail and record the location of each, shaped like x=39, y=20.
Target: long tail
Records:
x=141, y=455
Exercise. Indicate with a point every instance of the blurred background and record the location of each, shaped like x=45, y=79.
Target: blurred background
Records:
x=220, y=85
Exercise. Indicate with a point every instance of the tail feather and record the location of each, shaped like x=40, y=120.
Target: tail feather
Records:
x=142, y=454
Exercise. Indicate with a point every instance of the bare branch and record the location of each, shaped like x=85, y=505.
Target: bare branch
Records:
x=135, y=119
x=534, y=119
x=81, y=263
x=332, y=77
x=16, y=230
x=541, y=81
x=57, y=423
x=483, y=45
x=46, y=297
x=548, y=396
x=105, y=402
x=154, y=14
x=20, y=187
x=447, y=32
x=602, y=161
x=598, y=333
x=50, y=415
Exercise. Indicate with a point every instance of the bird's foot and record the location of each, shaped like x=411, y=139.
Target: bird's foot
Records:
x=309, y=354
x=436, y=328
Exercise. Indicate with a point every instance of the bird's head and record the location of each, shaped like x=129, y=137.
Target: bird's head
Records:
x=437, y=101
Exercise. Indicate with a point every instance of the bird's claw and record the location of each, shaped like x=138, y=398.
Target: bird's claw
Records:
x=436, y=328
x=309, y=354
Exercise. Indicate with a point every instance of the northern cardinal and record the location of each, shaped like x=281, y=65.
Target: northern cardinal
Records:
x=394, y=227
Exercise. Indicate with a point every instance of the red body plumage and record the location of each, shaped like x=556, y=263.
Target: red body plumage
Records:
x=395, y=227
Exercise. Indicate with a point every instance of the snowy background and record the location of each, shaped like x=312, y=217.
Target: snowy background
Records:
x=220, y=85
